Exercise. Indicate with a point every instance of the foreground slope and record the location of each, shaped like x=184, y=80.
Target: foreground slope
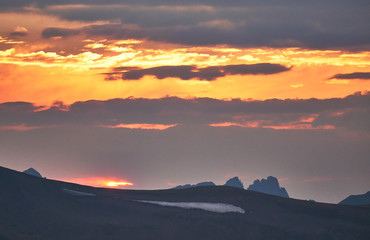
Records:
x=36, y=208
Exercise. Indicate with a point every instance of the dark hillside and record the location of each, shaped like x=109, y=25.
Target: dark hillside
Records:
x=37, y=208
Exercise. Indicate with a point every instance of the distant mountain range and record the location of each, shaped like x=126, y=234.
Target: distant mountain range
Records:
x=34, y=208
x=361, y=199
x=268, y=186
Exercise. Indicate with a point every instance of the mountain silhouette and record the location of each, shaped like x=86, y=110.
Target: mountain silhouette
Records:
x=234, y=182
x=33, y=172
x=201, y=184
x=361, y=199
x=268, y=186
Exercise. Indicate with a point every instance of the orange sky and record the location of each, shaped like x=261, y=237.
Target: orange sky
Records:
x=42, y=71
x=44, y=77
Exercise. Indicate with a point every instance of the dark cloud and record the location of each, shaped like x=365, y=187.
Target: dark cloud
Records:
x=59, y=32
x=282, y=23
x=16, y=113
x=183, y=72
x=186, y=72
x=353, y=119
x=18, y=34
x=355, y=75
x=260, y=68
x=203, y=111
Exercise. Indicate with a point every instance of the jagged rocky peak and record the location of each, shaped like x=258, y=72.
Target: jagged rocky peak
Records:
x=33, y=172
x=269, y=186
x=234, y=182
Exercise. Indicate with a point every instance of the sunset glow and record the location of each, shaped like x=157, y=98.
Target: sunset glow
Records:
x=101, y=182
x=116, y=184
x=185, y=91
x=99, y=64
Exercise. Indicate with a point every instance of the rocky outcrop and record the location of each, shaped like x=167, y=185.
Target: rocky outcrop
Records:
x=269, y=186
x=234, y=182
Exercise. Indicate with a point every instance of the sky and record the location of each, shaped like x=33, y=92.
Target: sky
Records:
x=154, y=94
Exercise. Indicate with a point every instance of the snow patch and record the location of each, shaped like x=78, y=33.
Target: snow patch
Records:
x=211, y=207
x=77, y=193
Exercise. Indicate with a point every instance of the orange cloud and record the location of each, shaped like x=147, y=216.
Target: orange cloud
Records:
x=317, y=179
x=295, y=125
x=252, y=124
x=21, y=127
x=142, y=126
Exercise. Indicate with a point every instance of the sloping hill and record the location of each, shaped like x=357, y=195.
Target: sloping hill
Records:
x=37, y=208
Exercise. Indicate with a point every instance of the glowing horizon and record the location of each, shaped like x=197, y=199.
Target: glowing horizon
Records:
x=110, y=182
x=116, y=184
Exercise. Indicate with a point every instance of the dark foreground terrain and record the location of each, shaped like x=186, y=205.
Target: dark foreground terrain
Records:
x=37, y=208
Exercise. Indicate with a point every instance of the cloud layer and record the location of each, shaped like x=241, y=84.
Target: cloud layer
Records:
x=282, y=23
x=351, y=112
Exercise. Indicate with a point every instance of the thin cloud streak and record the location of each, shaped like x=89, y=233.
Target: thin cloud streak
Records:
x=142, y=126
x=354, y=75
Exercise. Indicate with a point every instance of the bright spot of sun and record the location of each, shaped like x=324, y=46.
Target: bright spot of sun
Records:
x=101, y=182
x=116, y=184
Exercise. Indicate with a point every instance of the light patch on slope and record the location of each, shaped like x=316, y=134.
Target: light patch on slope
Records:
x=211, y=207
x=77, y=193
